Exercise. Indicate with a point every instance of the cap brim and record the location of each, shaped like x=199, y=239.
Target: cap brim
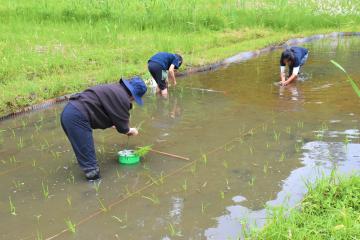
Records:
x=137, y=99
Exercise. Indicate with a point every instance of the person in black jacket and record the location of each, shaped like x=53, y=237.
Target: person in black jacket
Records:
x=99, y=107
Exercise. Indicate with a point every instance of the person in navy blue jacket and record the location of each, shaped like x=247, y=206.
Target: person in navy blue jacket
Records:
x=160, y=66
x=294, y=58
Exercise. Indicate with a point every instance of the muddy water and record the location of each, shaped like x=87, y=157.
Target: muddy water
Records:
x=251, y=145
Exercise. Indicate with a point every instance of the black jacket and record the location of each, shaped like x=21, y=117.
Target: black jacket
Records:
x=105, y=106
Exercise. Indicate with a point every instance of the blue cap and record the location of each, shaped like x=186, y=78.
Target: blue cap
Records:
x=137, y=88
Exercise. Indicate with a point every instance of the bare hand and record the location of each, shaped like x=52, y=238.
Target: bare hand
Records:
x=132, y=132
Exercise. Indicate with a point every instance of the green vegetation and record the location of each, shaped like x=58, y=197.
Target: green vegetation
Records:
x=330, y=210
x=50, y=48
x=352, y=82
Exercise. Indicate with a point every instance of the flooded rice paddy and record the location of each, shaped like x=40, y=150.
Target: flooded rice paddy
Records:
x=250, y=144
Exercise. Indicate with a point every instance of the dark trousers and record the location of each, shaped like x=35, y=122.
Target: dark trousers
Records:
x=79, y=132
x=156, y=71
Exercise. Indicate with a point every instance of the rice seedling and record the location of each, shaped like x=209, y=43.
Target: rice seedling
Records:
x=204, y=158
x=128, y=192
x=266, y=167
x=184, y=186
x=268, y=145
x=227, y=184
x=173, y=231
x=70, y=225
x=288, y=130
x=12, y=160
x=251, y=149
x=23, y=123
x=346, y=140
x=71, y=178
x=38, y=218
x=276, y=136
x=142, y=151
x=123, y=220
x=300, y=124
x=12, y=207
x=252, y=181
x=222, y=194
x=102, y=206
x=45, y=190
x=225, y=164
x=282, y=157
x=264, y=127
x=33, y=163
x=37, y=127
x=154, y=199
x=229, y=148
x=18, y=185
x=193, y=168
x=204, y=206
x=39, y=235
x=97, y=186
x=13, y=133
x=69, y=200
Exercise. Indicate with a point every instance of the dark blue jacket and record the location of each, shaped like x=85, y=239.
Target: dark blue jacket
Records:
x=165, y=60
x=299, y=53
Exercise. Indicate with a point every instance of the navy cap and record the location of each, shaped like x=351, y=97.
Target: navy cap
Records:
x=137, y=88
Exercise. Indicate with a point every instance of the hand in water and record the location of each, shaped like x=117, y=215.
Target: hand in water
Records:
x=132, y=132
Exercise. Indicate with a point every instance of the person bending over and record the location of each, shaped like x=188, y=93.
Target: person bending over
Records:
x=294, y=58
x=160, y=66
x=99, y=107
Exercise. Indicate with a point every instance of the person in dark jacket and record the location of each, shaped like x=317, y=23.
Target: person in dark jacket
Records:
x=294, y=57
x=99, y=107
x=160, y=66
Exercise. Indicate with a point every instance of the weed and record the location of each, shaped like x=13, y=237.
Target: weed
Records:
x=352, y=82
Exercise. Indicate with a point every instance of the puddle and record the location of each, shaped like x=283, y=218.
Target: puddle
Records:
x=251, y=145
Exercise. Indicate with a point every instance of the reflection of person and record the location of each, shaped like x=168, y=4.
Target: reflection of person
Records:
x=294, y=58
x=158, y=66
x=99, y=107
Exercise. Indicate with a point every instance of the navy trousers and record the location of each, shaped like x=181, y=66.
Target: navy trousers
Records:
x=79, y=132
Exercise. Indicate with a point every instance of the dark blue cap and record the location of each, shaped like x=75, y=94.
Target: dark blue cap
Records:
x=137, y=88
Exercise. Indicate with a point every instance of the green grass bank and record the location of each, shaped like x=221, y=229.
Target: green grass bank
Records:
x=50, y=48
x=330, y=210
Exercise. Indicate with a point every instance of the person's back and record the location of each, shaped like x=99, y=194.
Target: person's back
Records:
x=160, y=65
x=294, y=58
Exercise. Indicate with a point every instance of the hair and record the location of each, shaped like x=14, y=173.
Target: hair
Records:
x=180, y=58
x=288, y=55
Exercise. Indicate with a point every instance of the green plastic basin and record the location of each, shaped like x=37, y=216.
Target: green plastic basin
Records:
x=128, y=157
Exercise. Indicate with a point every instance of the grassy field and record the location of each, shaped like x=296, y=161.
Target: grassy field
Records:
x=330, y=210
x=50, y=48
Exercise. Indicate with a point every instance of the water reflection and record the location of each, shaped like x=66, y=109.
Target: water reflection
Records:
x=319, y=159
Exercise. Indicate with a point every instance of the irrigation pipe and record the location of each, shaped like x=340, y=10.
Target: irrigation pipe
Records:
x=116, y=202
